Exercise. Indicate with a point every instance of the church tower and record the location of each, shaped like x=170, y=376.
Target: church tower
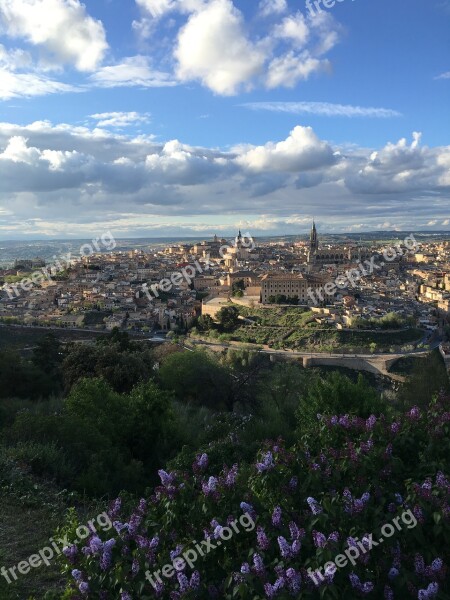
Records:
x=313, y=239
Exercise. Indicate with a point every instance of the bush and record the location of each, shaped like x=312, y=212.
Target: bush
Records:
x=302, y=508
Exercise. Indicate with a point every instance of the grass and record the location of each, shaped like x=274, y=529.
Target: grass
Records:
x=30, y=512
x=23, y=532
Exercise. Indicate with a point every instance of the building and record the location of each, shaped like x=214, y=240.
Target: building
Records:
x=333, y=255
x=309, y=289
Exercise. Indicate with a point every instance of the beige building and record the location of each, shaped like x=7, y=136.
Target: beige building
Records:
x=309, y=289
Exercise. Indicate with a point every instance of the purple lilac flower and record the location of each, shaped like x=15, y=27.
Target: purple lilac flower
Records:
x=258, y=564
x=135, y=566
x=133, y=525
x=393, y=573
x=183, y=582
x=96, y=544
x=320, y=540
x=166, y=478
x=330, y=572
x=437, y=565
x=106, y=558
x=77, y=575
x=276, y=517
x=83, y=587
x=154, y=542
x=315, y=507
x=418, y=513
x=263, y=541
x=230, y=479
x=293, y=483
x=334, y=537
x=399, y=498
x=419, y=564
x=296, y=547
x=115, y=508
x=195, y=580
x=429, y=593
x=370, y=423
x=248, y=508
x=211, y=486
x=267, y=463
x=388, y=593
x=395, y=427
x=245, y=569
x=70, y=552
x=354, y=580
x=442, y=481
x=285, y=548
x=125, y=596
x=294, y=530
x=201, y=461
x=414, y=413
x=176, y=552
x=294, y=580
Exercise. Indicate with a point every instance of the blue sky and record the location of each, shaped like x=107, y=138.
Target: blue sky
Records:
x=180, y=117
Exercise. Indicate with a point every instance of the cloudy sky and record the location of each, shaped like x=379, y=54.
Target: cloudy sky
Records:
x=190, y=117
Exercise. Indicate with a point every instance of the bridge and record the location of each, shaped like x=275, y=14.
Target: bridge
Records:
x=378, y=364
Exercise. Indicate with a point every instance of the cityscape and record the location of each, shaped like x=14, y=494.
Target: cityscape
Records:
x=224, y=300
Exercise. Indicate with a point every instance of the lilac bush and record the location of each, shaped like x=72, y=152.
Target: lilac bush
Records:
x=333, y=490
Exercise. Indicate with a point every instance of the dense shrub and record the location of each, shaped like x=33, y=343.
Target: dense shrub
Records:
x=307, y=505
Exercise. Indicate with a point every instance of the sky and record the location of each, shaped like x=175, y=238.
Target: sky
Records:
x=152, y=118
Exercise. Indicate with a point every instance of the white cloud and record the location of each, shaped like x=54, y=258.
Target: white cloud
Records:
x=132, y=71
x=324, y=109
x=120, y=119
x=444, y=75
x=18, y=85
x=213, y=48
x=293, y=28
x=301, y=151
x=289, y=69
x=157, y=8
x=217, y=47
x=272, y=7
x=62, y=173
x=60, y=27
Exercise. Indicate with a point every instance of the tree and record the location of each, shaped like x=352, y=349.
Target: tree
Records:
x=197, y=378
x=205, y=323
x=228, y=318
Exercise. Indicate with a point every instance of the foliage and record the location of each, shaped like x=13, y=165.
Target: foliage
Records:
x=303, y=507
x=197, y=378
x=228, y=317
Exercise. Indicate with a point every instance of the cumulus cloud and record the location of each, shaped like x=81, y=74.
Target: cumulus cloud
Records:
x=217, y=47
x=301, y=151
x=55, y=174
x=444, y=75
x=62, y=28
x=213, y=48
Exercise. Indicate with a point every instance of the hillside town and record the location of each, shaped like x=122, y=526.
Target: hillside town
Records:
x=166, y=290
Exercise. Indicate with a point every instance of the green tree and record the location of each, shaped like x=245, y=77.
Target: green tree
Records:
x=197, y=378
x=228, y=318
